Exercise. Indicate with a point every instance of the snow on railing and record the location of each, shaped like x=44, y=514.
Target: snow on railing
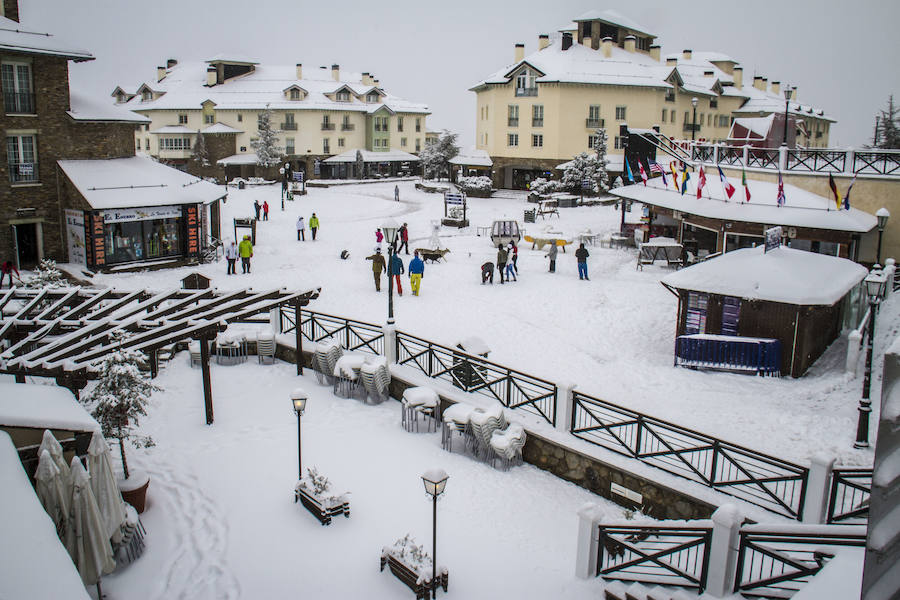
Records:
x=867, y=161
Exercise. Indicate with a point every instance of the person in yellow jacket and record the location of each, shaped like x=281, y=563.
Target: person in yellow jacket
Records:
x=314, y=225
x=245, y=251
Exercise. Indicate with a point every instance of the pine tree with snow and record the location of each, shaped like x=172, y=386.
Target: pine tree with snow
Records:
x=888, y=133
x=46, y=275
x=268, y=152
x=602, y=161
x=199, y=153
x=584, y=167
x=436, y=156
x=120, y=397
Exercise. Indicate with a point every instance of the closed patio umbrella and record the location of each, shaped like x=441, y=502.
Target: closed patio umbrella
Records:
x=51, y=490
x=103, y=484
x=91, y=551
x=52, y=446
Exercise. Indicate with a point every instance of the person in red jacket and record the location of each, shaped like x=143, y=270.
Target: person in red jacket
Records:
x=7, y=268
x=404, y=239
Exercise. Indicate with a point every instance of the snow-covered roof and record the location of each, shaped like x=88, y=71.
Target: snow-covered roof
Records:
x=85, y=108
x=614, y=18
x=472, y=157
x=760, y=102
x=232, y=58
x=801, y=209
x=757, y=127
x=248, y=158
x=18, y=37
x=33, y=562
x=614, y=162
x=184, y=87
x=393, y=155
x=42, y=407
x=136, y=182
x=782, y=275
x=168, y=129
x=220, y=128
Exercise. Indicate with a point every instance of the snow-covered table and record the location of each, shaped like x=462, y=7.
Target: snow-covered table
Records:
x=660, y=248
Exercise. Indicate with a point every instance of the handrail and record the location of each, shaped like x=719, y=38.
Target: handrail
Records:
x=848, y=500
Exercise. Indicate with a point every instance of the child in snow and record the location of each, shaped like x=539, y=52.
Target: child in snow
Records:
x=416, y=273
x=487, y=273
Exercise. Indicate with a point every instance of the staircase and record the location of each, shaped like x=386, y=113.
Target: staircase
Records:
x=616, y=590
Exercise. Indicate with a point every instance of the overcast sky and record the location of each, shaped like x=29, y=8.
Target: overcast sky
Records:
x=841, y=55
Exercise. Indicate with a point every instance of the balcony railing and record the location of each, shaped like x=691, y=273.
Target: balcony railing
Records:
x=289, y=126
x=691, y=127
x=327, y=126
x=532, y=91
x=18, y=103
x=347, y=126
x=537, y=122
x=511, y=122
x=23, y=172
x=593, y=123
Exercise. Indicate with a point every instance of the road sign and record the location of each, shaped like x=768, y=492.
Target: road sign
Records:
x=453, y=198
x=298, y=176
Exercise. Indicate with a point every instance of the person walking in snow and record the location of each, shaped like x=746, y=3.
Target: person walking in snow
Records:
x=510, y=269
x=581, y=256
x=7, y=268
x=314, y=225
x=265, y=210
x=514, y=255
x=397, y=270
x=487, y=273
x=416, y=273
x=257, y=206
x=551, y=254
x=379, y=237
x=502, y=257
x=245, y=251
x=301, y=229
x=231, y=254
x=404, y=239
x=397, y=193
x=378, y=265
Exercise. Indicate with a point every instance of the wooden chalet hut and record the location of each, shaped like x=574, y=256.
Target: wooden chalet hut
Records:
x=750, y=295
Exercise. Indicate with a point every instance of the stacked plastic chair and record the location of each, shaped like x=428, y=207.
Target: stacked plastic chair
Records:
x=376, y=379
x=327, y=355
x=507, y=445
x=347, y=376
x=419, y=401
x=455, y=421
x=483, y=425
x=131, y=538
x=194, y=351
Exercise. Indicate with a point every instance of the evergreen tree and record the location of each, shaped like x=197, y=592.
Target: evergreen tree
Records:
x=120, y=397
x=584, y=167
x=199, y=154
x=889, y=130
x=436, y=156
x=602, y=161
x=268, y=152
x=46, y=275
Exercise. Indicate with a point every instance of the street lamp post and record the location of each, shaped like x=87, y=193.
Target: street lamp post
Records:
x=788, y=92
x=435, y=481
x=298, y=400
x=390, y=228
x=875, y=287
x=882, y=215
x=694, y=102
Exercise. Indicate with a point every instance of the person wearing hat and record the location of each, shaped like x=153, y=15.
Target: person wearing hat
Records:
x=314, y=225
x=404, y=239
x=231, y=254
x=378, y=265
x=245, y=250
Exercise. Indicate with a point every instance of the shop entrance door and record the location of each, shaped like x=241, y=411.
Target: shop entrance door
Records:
x=25, y=238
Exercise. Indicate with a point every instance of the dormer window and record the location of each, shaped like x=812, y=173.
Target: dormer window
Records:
x=295, y=94
x=371, y=97
x=525, y=83
x=343, y=96
x=146, y=95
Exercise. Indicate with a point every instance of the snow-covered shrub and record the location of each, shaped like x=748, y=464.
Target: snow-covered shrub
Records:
x=268, y=152
x=480, y=187
x=544, y=186
x=319, y=487
x=585, y=167
x=435, y=156
x=46, y=275
x=413, y=556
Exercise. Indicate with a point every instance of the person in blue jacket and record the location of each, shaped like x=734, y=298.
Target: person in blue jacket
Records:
x=416, y=272
x=396, y=270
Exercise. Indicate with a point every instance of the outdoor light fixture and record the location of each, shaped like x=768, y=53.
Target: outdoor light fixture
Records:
x=694, y=102
x=876, y=284
x=298, y=401
x=882, y=215
x=435, y=481
x=788, y=92
x=389, y=228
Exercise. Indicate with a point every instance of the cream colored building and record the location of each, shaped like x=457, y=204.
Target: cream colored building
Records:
x=544, y=108
x=317, y=113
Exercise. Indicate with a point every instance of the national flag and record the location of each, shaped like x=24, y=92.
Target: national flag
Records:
x=685, y=177
x=674, y=175
x=628, y=171
x=781, y=197
x=661, y=171
x=834, y=191
x=729, y=189
x=744, y=183
x=701, y=182
x=847, y=195
x=654, y=166
x=643, y=173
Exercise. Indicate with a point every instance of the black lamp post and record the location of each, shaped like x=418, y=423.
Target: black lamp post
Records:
x=875, y=282
x=882, y=215
x=788, y=92
x=298, y=400
x=435, y=481
x=694, y=102
x=390, y=228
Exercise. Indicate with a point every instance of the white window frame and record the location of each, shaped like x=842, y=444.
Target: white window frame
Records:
x=621, y=112
x=17, y=170
x=16, y=84
x=537, y=140
x=512, y=140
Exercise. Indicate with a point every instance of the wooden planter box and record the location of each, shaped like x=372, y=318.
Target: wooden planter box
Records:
x=410, y=577
x=322, y=513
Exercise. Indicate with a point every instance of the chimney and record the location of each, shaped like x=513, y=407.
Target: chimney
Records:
x=687, y=53
x=299, y=70
x=543, y=41
x=366, y=80
x=212, y=76
x=707, y=73
x=336, y=72
x=566, y=40
x=776, y=88
x=519, y=53
x=759, y=82
x=629, y=43
x=793, y=93
x=171, y=63
x=375, y=82
x=607, y=47
x=654, y=52
x=671, y=62
x=738, y=77
x=160, y=73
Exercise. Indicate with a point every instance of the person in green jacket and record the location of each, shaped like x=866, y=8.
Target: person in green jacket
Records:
x=378, y=265
x=245, y=251
x=314, y=225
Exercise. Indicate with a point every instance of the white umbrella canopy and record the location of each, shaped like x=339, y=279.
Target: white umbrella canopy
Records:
x=103, y=484
x=91, y=551
x=51, y=489
x=52, y=446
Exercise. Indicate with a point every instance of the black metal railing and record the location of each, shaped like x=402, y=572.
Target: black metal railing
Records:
x=762, y=157
x=356, y=336
x=703, y=153
x=21, y=103
x=327, y=126
x=882, y=162
x=23, y=172
x=593, y=123
x=773, y=564
x=347, y=126
x=766, y=481
x=512, y=122
x=848, y=500
x=289, y=126
x=532, y=91
x=537, y=122
x=691, y=127
x=731, y=155
x=511, y=388
x=822, y=161
x=661, y=555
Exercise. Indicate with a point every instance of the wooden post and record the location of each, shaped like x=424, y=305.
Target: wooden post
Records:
x=20, y=378
x=298, y=333
x=204, y=366
x=153, y=357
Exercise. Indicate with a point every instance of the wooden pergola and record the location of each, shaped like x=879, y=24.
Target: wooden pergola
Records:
x=64, y=333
